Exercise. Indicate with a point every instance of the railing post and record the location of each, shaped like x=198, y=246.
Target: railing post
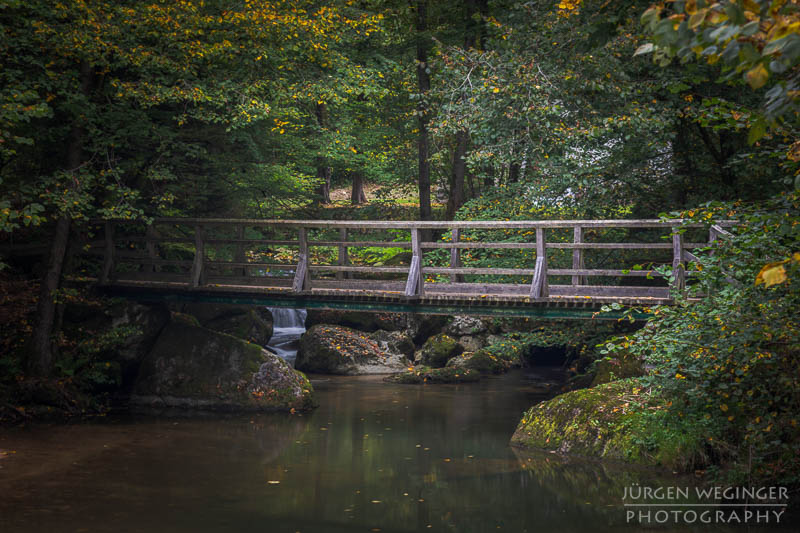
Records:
x=239, y=253
x=150, y=245
x=343, y=257
x=415, y=285
x=577, y=256
x=455, y=256
x=198, y=266
x=301, y=280
x=108, y=256
x=678, y=271
x=539, y=287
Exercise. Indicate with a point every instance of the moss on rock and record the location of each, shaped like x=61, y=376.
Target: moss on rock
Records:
x=425, y=374
x=480, y=361
x=190, y=366
x=438, y=350
x=615, y=421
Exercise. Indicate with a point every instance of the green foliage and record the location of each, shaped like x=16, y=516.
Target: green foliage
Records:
x=726, y=356
x=757, y=42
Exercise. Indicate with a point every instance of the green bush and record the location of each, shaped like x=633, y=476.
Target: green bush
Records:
x=727, y=355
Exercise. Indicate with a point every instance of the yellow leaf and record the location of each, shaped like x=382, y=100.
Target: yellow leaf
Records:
x=757, y=76
x=771, y=274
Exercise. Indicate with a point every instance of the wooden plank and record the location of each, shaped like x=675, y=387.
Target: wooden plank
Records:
x=301, y=276
x=343, y=257
x=538, y=286
x=601, y=272
x=480, y=224
x=689, y=256
x=199, y=257
x=610, y=245
x=238, y=255
x=362, y=244
x=678, y=270
x=150, y=246
x=108, y=258
x=539, y=282
x=479, y=245
x=351, y=268
x=479, y=270
x=577, y=255
x=716, y=231
x=245, y=264
x=415, y=284
x=157, y=262
x=412, y=283
x=455, y=256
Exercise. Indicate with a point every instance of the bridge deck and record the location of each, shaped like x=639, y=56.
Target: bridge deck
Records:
x=541, y=265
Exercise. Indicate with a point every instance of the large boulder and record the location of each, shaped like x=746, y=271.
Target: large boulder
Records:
x=253, y=324
x=195, y=367
x=146, y=321
x=438, y=350
x=329, y=349
x=617, y=421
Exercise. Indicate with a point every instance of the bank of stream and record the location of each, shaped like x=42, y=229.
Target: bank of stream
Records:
x=374, y=456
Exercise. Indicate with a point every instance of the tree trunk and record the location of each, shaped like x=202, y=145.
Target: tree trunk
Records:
x=323, y=170
x=456, y=197
x=40, y=361
x=324, y=179
x=357, y=195
x=424, y=85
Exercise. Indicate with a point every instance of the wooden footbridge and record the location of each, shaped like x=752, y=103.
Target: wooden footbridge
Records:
x=564, y=268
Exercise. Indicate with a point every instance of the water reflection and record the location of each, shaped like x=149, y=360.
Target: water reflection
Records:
x=374, y=456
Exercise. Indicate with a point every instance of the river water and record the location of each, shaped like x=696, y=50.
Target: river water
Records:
x=373, y=457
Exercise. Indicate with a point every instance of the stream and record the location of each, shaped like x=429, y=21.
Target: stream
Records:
x=373, y=457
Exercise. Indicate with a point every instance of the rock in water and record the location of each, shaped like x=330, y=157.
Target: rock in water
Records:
x=194, y=367
x=438, y=350
x=329, y=349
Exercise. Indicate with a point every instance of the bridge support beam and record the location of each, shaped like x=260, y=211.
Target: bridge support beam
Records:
x=301, y=280
x=678, y=269
x=198, y=265
x=108, y=256
x=539, y=287
x=577, y=256
x=343, y=258
x=455, y=257
x=415, y=284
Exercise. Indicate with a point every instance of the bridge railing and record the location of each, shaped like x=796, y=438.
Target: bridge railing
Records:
x=317, y=255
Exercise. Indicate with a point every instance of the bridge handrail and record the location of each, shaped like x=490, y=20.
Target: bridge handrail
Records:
x=414, y=286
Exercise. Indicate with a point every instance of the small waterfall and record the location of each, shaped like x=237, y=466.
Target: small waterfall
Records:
x=287, y=327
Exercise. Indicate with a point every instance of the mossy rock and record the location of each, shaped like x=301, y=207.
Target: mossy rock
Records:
x=194, y=367
x=480, y=361
x=616, y=421
x=438, y=350
x=425, y=374
x=249, y=323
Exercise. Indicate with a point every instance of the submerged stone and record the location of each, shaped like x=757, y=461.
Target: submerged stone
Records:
x=424, y=374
